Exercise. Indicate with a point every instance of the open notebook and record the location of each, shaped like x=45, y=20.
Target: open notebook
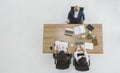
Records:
x=79, y=29
x=89, y=46
x=61, y=46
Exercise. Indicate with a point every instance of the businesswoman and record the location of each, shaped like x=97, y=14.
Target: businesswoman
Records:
x=76, y=16
x=79, y=53
x=81, y=59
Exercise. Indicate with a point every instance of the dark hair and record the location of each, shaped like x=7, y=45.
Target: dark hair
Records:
x=82, y=61
x=62, y=57
x=61, y=52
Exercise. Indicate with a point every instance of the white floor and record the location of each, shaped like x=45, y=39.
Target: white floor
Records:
x=21, y=34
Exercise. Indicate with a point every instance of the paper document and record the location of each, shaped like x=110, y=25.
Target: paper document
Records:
x=88, y=45
x=79, y=29
x=61, y=45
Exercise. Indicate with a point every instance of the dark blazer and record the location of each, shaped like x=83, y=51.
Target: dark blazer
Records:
x=77, y=20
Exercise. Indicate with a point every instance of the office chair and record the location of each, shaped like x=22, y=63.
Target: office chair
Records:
x=61, y=64
x=80, y=67
x=81, y=9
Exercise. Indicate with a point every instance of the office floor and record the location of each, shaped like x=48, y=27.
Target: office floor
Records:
x=21, y=34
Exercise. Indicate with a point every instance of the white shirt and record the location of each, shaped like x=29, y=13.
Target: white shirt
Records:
x=78, y=57
x=76, y=14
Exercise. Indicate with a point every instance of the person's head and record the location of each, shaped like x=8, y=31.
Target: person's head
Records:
x=61, y=52
x=82, y=61
x=76, y=8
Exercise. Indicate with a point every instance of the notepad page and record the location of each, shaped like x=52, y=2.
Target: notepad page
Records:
x=60, y=45
x=88, y=45
x=79, y=29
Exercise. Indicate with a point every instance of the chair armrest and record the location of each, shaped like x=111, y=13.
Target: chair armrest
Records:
x=54, y=55
x=89, y=60
x=55, y=58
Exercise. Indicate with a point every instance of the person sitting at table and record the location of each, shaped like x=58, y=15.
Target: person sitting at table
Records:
x=62, y=59
x=81, y=59
x=76, y=16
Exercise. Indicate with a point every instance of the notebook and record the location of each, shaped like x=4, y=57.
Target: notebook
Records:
x=88, y=45
x=61, y=46
x=79, y=29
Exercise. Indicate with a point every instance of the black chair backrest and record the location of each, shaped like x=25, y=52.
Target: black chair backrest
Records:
x=82, y=61
x=81, y=8
x=62, y=59
x=62, y=63
x=81, y=67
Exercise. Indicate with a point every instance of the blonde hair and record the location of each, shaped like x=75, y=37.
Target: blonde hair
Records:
x=76, y=8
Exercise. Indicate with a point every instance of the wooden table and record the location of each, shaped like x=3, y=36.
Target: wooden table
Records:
x=53, y=32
